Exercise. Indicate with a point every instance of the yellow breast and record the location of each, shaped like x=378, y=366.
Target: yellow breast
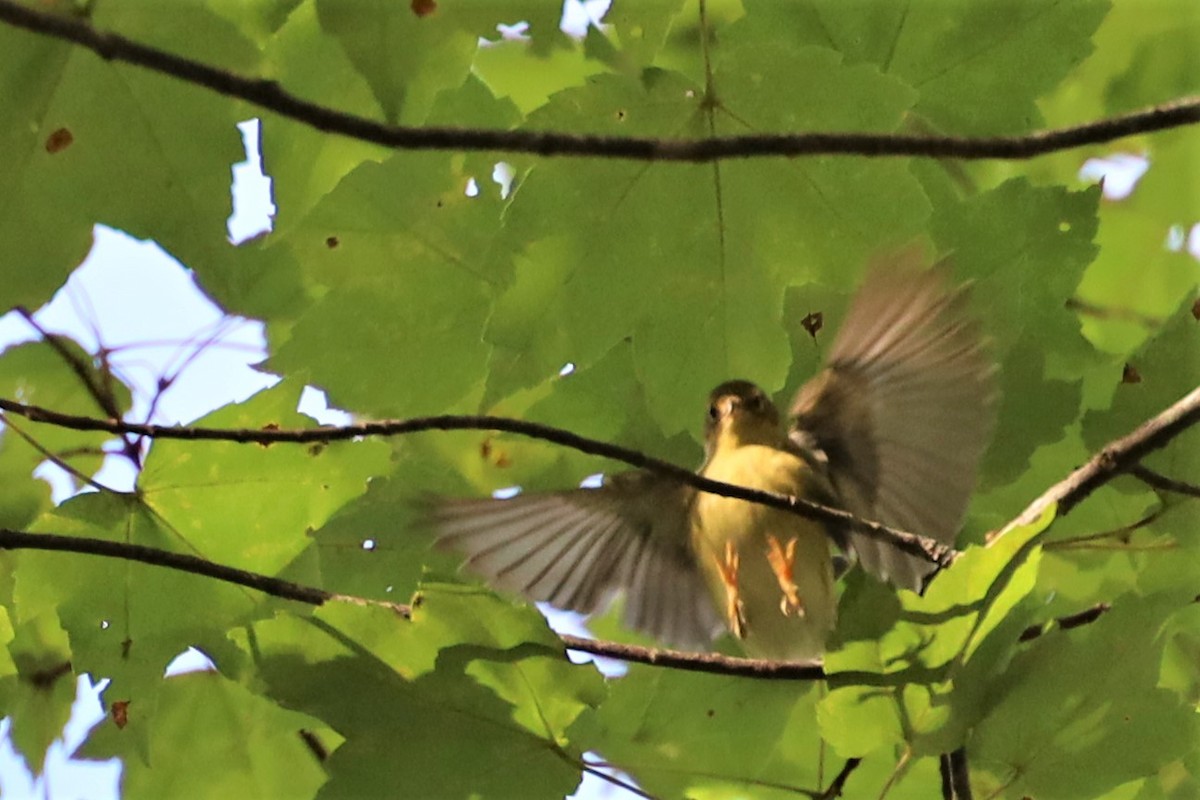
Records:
x=769, y=632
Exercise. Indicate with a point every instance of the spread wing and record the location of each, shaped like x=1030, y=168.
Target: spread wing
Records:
x=576, y=549
x=903, y=411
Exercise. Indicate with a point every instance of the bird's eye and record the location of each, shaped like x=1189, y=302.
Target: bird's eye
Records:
x=714, y=413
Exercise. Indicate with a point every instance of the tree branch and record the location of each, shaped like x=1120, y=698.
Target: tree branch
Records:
x=835, y=788
x=276, y=587
x=101, y=393
x=920, y=546
x=1109, y=462
x=960, y=776
x=1116, y=457
x=713, y=663
x=271, y=96
x=1162, y=482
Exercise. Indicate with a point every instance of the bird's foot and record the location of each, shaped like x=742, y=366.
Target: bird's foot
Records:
x=782, y=560
x=734, y=611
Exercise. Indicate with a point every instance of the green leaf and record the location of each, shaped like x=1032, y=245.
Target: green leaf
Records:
x=1083, y=711
x=978, y=66
x=683, y=734
x=130, y=161
x=926, y=679
x=40, y=701
x=249, y=746
x=695, y=278
x=470, y=684
x=1160, y=383
x=39, y=375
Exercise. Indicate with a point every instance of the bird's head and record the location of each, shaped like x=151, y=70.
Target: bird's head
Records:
x=740, y=413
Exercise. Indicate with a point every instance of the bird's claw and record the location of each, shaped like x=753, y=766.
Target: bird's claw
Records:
x=734, y=611
x=782, y=560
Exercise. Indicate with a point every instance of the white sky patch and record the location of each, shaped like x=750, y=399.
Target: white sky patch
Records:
x=592, y=481
x=507, y=492
x=502, y=175
x=190, y=660
x=1119, y=171
x=315, y=403
x=253, y=210
x=579, y=15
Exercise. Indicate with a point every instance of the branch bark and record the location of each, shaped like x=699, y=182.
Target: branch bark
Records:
x=920, y=546
x=276, y=587
x=1119, y=455
x=270, y=96
x=1114, y=458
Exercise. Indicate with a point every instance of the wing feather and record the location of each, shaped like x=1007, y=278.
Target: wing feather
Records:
x=903, y=411
x=577, y=549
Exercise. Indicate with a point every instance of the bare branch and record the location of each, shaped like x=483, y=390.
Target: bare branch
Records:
x=271, y=96
x=714, y=663
x=960, y=777
x=102, y=393
x=711, y=663
x=835, y=788
x=54, y=459
x=1116, y=457
x=1162, y=482
x=921, y=546
x=276, y=587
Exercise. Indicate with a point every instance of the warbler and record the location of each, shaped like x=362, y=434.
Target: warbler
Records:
x=891, y=430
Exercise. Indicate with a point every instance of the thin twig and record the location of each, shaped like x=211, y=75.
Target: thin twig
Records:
x=960, y=776
x=835, y=788
x=276, y=587
x=56, y=460
x=83, y=371
x=713, y=663
x=270, y=95
x=921, y=546
x=1074, y=541
x=100, y=392
x=1116, y=457
x=1162, y=482
x=1150, y=435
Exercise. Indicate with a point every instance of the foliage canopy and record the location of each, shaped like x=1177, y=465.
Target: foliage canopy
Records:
x=411, y=283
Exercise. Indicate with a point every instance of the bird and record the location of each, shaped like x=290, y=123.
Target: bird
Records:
x=892, y=429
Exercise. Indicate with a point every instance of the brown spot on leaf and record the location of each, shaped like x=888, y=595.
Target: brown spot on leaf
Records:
x=332, y=242
x=314, y=744
x=120, y=713
x=423, y=8
x=503, y=461
x=316, y=448
x=59, y=140
x=813, y=322
x=1130, y=374
x=1196, y=309
x=485, y=449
